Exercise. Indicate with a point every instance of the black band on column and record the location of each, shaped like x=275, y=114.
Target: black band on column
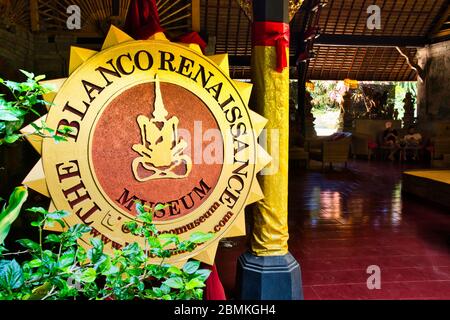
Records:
x=271, y=10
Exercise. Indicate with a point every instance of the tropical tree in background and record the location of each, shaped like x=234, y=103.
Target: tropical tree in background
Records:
x=401, y=89
x=327, y=95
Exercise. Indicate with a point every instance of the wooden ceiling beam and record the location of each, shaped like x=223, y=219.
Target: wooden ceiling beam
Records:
x=371, y=41
x=440, y=19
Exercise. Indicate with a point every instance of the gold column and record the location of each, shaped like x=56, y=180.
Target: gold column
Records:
x=271, y=100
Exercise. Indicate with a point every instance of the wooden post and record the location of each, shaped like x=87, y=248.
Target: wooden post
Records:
x=34, y=15
x=196, y=15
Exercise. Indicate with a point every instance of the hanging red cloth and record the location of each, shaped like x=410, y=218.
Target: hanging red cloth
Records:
x=274, y=34
x=214, y=288
x=193, y=37
x=142, y=20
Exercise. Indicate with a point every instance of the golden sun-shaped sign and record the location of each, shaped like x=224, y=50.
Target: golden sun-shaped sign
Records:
x=156, y=122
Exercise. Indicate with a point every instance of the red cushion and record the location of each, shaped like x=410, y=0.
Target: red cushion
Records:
x=372, y=145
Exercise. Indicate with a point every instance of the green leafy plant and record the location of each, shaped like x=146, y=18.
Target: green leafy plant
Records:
x=11, y=211
x=57, y=267
x=26, y=97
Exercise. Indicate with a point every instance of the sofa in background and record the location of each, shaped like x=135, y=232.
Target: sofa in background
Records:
x=332, y=149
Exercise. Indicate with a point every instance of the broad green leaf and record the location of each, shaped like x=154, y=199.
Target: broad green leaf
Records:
x=194, y=283
x=198, y=294
x=112, y=270
x=40, y=78
x=10, y=213
x=12, y=138
x=89, y=275
x=8, y=115
x=35, y=224
x=76, y=231
x=11, y=276
x=191, y=267
x=12, y=126
x=200, y=237
x=174, y=270
x=15, y=86
x=102, y=263
x=167, y=238
x=52, y=238
x=3, y=264
x=36, y=263
x=41, y=291
x=97, y=244
x=48, y=259
x=153, y=242
x=132, y=249
x=158, y=292
x=58, y=214
x=175, y=283
x=29, y=244
x=203, y=274
x=165, y=289
x=66, y=260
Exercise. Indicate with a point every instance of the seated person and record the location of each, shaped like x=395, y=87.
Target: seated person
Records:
x=390, y=140
x=412, y=142
x=413, y=138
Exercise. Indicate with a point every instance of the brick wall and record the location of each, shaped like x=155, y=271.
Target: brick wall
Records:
x=51, y=56
x=16, y=51
x=39, y=53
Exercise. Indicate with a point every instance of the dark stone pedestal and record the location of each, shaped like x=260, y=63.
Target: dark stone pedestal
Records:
x=268, y=278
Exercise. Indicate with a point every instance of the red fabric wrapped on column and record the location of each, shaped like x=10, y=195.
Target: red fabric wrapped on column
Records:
x=214, y=288
x=274, y=34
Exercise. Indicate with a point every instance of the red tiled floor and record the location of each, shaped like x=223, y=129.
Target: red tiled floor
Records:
x=341, y=222
x=389, y=290
x=309, y=293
